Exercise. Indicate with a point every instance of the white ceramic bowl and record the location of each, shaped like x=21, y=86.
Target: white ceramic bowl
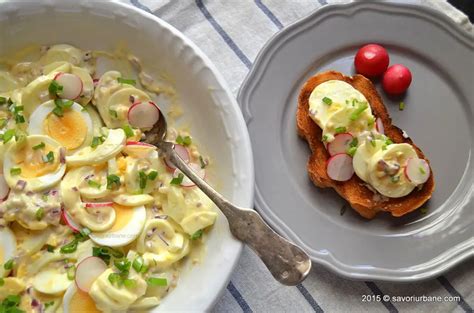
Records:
x=214, y=116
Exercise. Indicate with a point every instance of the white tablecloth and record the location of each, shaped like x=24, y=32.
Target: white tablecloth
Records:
x=231, y=33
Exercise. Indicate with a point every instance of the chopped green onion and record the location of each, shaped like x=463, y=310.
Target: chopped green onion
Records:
x=388, y=142
x=401, y=106
x=3, y=100
x=126, y=81
x=3, y=122
x=48, y=304
x=357, y=112
x=185, y=141
x=128, y=131
x=85, y=232
x=96, y=141
x=9, y=264
x=58, y=111
x=152, y=175
x=49, y=158
x=201, y=160
x=327, y=100
x=138, y=264
x=114, y=278
x=142, y=178
x=340, y=130
x=44, y=198
x=371, y=121
x=123, y=265
x=39, y=146
x=354, y=142
x=113, y=113
x=351, y=151
x=49, y=248
x=8, y=135
x=15, y=171
x=19, y=119
x=325, y=138
x=94, y=183
x=373, y=143
x=395, y=179
x=177, y=180
x=18, y=108
x=60, y=105
x=55, y=88
x=422, y=170
x=39, y=214
x=70, y=247
x=197, y=235
x=71, y=272
x=113, y=181
x=10, y=303
x=129, y=283
x=156, y=281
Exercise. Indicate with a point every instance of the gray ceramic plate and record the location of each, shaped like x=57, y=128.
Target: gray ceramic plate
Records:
x=438, y=117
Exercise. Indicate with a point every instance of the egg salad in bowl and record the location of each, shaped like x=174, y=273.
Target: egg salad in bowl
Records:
x=91, y=218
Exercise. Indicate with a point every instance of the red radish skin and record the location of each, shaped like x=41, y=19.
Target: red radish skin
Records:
x=139, y=143
x=143, y=114
x=87, y=272
x=339, y=167
x=414, y=174
x=183, y=153
x=396, y=79
x=340, y=144
x=4, y=189
x=186, y=181
x=371, y=60
x=70, y=222
x=379, y=126
x=72, y=85
x=99, y=204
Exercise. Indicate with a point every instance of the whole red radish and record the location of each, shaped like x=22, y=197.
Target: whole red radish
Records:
x=371, y=60
x=396, y=79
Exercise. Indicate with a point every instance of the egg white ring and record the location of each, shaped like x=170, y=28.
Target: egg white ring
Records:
x=70, y=292
x=37, y=183
x=125, y=235
x=8, y=240
x=40, y=114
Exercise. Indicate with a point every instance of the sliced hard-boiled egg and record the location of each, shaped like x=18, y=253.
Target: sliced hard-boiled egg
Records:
x=51, y=280
x=62, y=52
x=7, y=248
x=72, y=130
x=76, y=301
x=96, y=120
x=92, y=181
x=34, y=164
x=133, y=200
x=109, y=148
x=128, y=225
x=35, y=93
x=197, y=221
x=59, y=66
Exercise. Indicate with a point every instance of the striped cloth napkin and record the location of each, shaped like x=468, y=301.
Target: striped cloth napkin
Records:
x=231, y=33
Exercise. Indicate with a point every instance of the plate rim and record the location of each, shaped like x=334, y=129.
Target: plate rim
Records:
x=434, y=267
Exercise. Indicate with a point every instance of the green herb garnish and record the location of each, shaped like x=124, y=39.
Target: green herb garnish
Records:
x=9, y=264
x=48, y=304
x=105, y=253
x=177, y=180
x=371, y=121
x=351, y=151
x=357, y=112
x=113, y=113
x=49, y=248
x=142, y=178
x=138, y=264
x=395, y=179
x=3, y=122
x=126, y=81
x=340, y=130
x=123, y=265
x=325, y=138
x=71, y=272
x=70, y=247
x=422, y=170
x=19, y=119
x=354, y=142
x=15, y=171
x=61, y=105
x=8, y=135
x=388, y=142
x=197, y=235
x=39, y=214
x=39, y=146
x=113, y=181
x=152, y=175
x=49, y=158
x=129, y=283
x=184, y=141
x=10, y=304
x=96, y=141
x=128, y=131
x=156, y=281
x=55, y=88
x=94, y=183
x=401, y=106
x=3, y=100
x=327, y=100
x=114, y=278
x=373, y=143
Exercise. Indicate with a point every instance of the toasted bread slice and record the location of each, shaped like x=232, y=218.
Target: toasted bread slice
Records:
x=356, y=191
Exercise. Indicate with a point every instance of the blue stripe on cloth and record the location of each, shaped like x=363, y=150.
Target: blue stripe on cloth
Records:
x=309, y=298
x=238, y=297
x=223, y=34
x=141, y=6
x=453, y=292
x=269, y=13
x=376, y=291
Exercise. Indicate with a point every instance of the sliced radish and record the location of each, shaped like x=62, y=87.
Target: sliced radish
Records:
x=70, y=222
x=87, y=272
x=417, y=171
x=4, y=189
x=72, y=85
x=183, y=153
x=143, y=114
x=99, y=204
x=340, y=144
x=139, y=143
x=339, y=167
x=379, y=126
x=186, y=181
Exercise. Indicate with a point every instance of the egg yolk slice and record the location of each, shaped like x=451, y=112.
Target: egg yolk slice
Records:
x=123, y=216
x=32, y=163
x=81, y=302
x=70, y=129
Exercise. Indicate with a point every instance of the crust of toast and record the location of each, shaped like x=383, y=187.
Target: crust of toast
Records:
x=356, y=191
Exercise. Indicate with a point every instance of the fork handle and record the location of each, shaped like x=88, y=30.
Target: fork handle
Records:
x=287, y=262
